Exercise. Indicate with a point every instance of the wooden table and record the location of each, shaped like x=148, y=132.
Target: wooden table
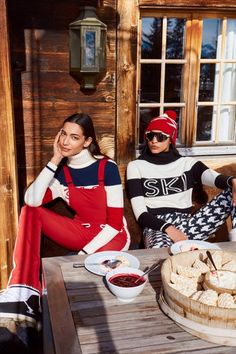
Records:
x=86, y=318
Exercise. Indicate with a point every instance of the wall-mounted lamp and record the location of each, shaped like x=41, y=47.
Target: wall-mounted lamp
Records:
x=87, y=48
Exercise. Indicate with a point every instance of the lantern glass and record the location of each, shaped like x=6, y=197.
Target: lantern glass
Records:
x=90, y=48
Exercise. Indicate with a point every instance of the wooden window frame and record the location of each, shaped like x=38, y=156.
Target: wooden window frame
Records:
x=191, y=74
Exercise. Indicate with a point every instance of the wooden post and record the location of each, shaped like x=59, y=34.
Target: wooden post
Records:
x=8, y=174
x=127, y=13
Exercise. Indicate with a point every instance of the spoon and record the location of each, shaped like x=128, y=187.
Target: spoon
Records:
x=149, y=270
x=209, y=255
x=111, y=263
x=213, y=263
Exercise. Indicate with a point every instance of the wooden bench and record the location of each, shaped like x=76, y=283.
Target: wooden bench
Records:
x=50, y=248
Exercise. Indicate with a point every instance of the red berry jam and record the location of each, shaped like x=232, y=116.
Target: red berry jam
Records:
x=126, y=280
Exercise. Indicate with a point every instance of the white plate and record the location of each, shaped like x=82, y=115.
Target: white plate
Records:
x=94, y=261
x=180, y=246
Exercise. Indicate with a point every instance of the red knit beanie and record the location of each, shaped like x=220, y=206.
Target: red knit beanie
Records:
x=166, y=123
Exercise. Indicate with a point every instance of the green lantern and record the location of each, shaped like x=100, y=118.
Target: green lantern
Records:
x=87, y=48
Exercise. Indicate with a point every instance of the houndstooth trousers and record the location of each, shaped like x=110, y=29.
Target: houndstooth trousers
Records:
x=198, y=226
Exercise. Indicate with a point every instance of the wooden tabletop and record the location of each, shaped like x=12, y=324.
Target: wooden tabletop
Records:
x=86, y=318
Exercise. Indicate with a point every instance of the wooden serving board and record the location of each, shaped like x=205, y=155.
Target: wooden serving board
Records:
x=212, y=316
x=211, y=334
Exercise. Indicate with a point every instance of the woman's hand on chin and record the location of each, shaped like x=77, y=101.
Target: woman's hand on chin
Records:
x=175, y=235
x=57, y=153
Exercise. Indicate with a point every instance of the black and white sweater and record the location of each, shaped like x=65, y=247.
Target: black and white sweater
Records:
x=162, y=183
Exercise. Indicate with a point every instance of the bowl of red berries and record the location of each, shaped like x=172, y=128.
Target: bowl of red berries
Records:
x=126, y=283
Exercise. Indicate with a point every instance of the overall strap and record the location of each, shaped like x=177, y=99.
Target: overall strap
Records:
x=67, y=174
x=101, y=169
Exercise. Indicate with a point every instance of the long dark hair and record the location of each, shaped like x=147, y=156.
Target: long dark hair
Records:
x=86, y=124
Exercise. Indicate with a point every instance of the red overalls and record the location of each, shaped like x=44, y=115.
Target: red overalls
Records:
x=90, y=207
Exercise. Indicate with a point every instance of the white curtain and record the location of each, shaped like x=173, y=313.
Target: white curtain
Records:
x=228, y=91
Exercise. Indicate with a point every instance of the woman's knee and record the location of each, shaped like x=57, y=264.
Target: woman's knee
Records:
x=31, y=212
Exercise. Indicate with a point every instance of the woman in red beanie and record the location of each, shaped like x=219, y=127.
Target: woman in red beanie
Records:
x=160, y=185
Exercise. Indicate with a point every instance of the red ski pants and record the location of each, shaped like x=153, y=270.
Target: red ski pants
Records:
x=69, y=233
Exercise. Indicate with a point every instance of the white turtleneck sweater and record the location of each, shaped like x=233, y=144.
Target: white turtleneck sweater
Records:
x=50, y=184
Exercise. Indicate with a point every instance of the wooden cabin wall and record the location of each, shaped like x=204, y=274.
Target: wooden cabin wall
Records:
x=44, y=92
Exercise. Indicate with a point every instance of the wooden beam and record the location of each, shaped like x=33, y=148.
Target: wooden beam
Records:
x=189, y=3
x=8, y=174
x=127, y=12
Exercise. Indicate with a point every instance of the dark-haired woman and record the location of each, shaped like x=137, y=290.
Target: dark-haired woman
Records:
x=160, y=185
x=90, y=184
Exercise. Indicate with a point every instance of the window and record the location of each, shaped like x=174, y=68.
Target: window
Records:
x=187, y=62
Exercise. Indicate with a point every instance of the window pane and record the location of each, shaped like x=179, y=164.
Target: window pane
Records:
x=150, y=83
x=173, y=81
x=229, y=82
x=230, y=48
x=146, y=114
x=207, y=81
x=204, y=124
x=227, y=123
x=151, y=38
x=175, y=38
x=229, y=69
x=210, y=43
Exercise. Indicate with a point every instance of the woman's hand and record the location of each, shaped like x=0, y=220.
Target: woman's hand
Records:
x=175, y=235
x=57, y=154
x=234, y=192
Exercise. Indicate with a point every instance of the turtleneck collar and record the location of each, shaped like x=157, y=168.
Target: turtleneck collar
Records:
x=80, y=160
x=162, y=158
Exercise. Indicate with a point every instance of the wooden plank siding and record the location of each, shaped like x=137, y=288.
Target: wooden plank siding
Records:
x=44, y=92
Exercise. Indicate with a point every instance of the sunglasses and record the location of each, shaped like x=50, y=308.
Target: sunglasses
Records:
x=158, y=135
